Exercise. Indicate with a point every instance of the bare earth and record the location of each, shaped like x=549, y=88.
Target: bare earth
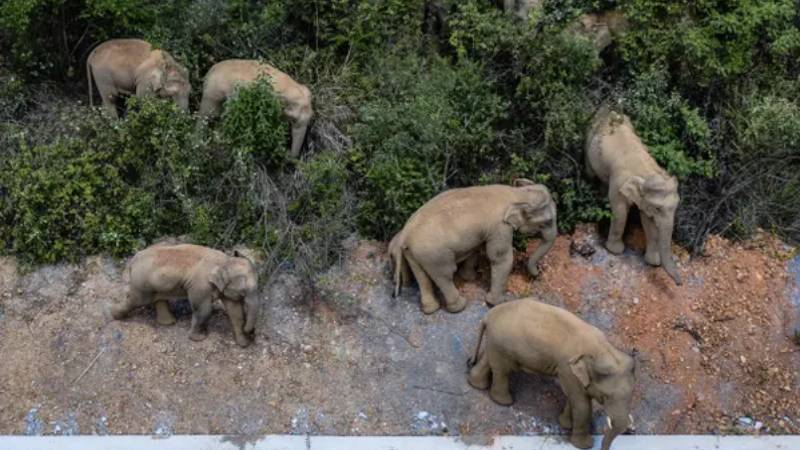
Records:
x=716, y=355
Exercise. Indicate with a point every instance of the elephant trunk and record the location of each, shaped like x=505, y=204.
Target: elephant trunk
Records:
x=665, y=250
x=619, y=421
x=251, y=305
x=298, y=136
x=183, y=102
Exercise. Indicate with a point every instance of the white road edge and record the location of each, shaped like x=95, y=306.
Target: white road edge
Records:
x=294, y=442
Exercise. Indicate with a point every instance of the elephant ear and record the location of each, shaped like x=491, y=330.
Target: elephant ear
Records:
x=580, y=368
x=517, y=214
x=520, y=182
x=632, y=189
x=218, y=278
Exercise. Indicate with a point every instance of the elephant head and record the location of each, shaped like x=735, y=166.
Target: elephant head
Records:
x=164, y=77
x=237, y=279
x=608, y=377
x=657, y=198
x=537, y=214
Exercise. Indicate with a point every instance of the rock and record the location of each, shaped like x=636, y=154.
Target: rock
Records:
x=583, y=247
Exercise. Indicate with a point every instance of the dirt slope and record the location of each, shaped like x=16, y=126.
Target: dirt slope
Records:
x=714, y=355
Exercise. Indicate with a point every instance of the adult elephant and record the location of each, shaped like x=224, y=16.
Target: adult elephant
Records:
x=132, y=66
x=616, y=156
x=539, y=338
x=453, y=226
x=225, y=76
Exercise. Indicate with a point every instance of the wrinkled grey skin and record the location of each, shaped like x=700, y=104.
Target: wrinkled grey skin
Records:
x=452, y=227
x=132, y=66
x=616, y=156
x=164, y=272
x=538, y=338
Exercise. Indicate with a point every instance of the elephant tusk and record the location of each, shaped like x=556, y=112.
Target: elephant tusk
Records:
x=608, y=421
x=631, y=426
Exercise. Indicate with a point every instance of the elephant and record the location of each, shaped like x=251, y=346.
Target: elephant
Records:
x=453, y=226
x=616, y=156
x=225, y=76
x=601, y=28
x=535, y=337
x=132, y=66
x=164, y=272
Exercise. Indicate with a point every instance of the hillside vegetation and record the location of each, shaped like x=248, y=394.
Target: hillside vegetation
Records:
x=411, y=97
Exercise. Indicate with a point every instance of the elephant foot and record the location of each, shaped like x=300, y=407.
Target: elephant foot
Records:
x=582, y=440
x=429, y=307
x=652, y=258
x=243, y=341
x=198, y=336
x=480, y=383
x=468, y=274
x=456, y=306
x=118, y=312
x=165, y=319
x=565, y=420
x=501, y=398
x=493, y=300
x=615, y=247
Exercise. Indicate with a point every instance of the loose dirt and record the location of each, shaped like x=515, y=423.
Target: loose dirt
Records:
x=714, y=355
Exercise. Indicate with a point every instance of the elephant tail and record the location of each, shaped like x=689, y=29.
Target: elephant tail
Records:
x=474, y=360
x=89, y=78
x=399, y=262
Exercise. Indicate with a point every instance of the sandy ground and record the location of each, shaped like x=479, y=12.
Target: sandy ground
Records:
x=714, y=355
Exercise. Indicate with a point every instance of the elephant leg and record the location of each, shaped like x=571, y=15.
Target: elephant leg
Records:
x=442, y=275
x=134, y=299
x=614, y=243
x=235, y=312
x=565, y=419
x=501, y=257
x=501, y=369
x=108, y=92
x=479, y=375
x=163, y=314
x=580, y=407
x=201, y=311
x=467, y=268
x=427, y=297
x=652, y=255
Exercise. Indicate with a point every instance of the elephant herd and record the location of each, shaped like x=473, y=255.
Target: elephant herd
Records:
x=134, y=67
x=444, y=237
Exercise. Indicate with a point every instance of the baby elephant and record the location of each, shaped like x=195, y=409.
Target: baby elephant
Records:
x=453, y=226
x=167, y=272
x=535, y=337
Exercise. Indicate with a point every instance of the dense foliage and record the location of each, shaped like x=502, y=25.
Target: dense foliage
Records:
x=410, y=98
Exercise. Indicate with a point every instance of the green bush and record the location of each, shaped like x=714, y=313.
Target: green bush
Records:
x=65, y=201
x=253, y=123
x=678, y=136
x=432, y=126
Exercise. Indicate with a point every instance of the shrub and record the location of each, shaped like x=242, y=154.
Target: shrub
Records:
x=66, y=201
x=678, y=136
x=431, y=126
x=253, y=123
